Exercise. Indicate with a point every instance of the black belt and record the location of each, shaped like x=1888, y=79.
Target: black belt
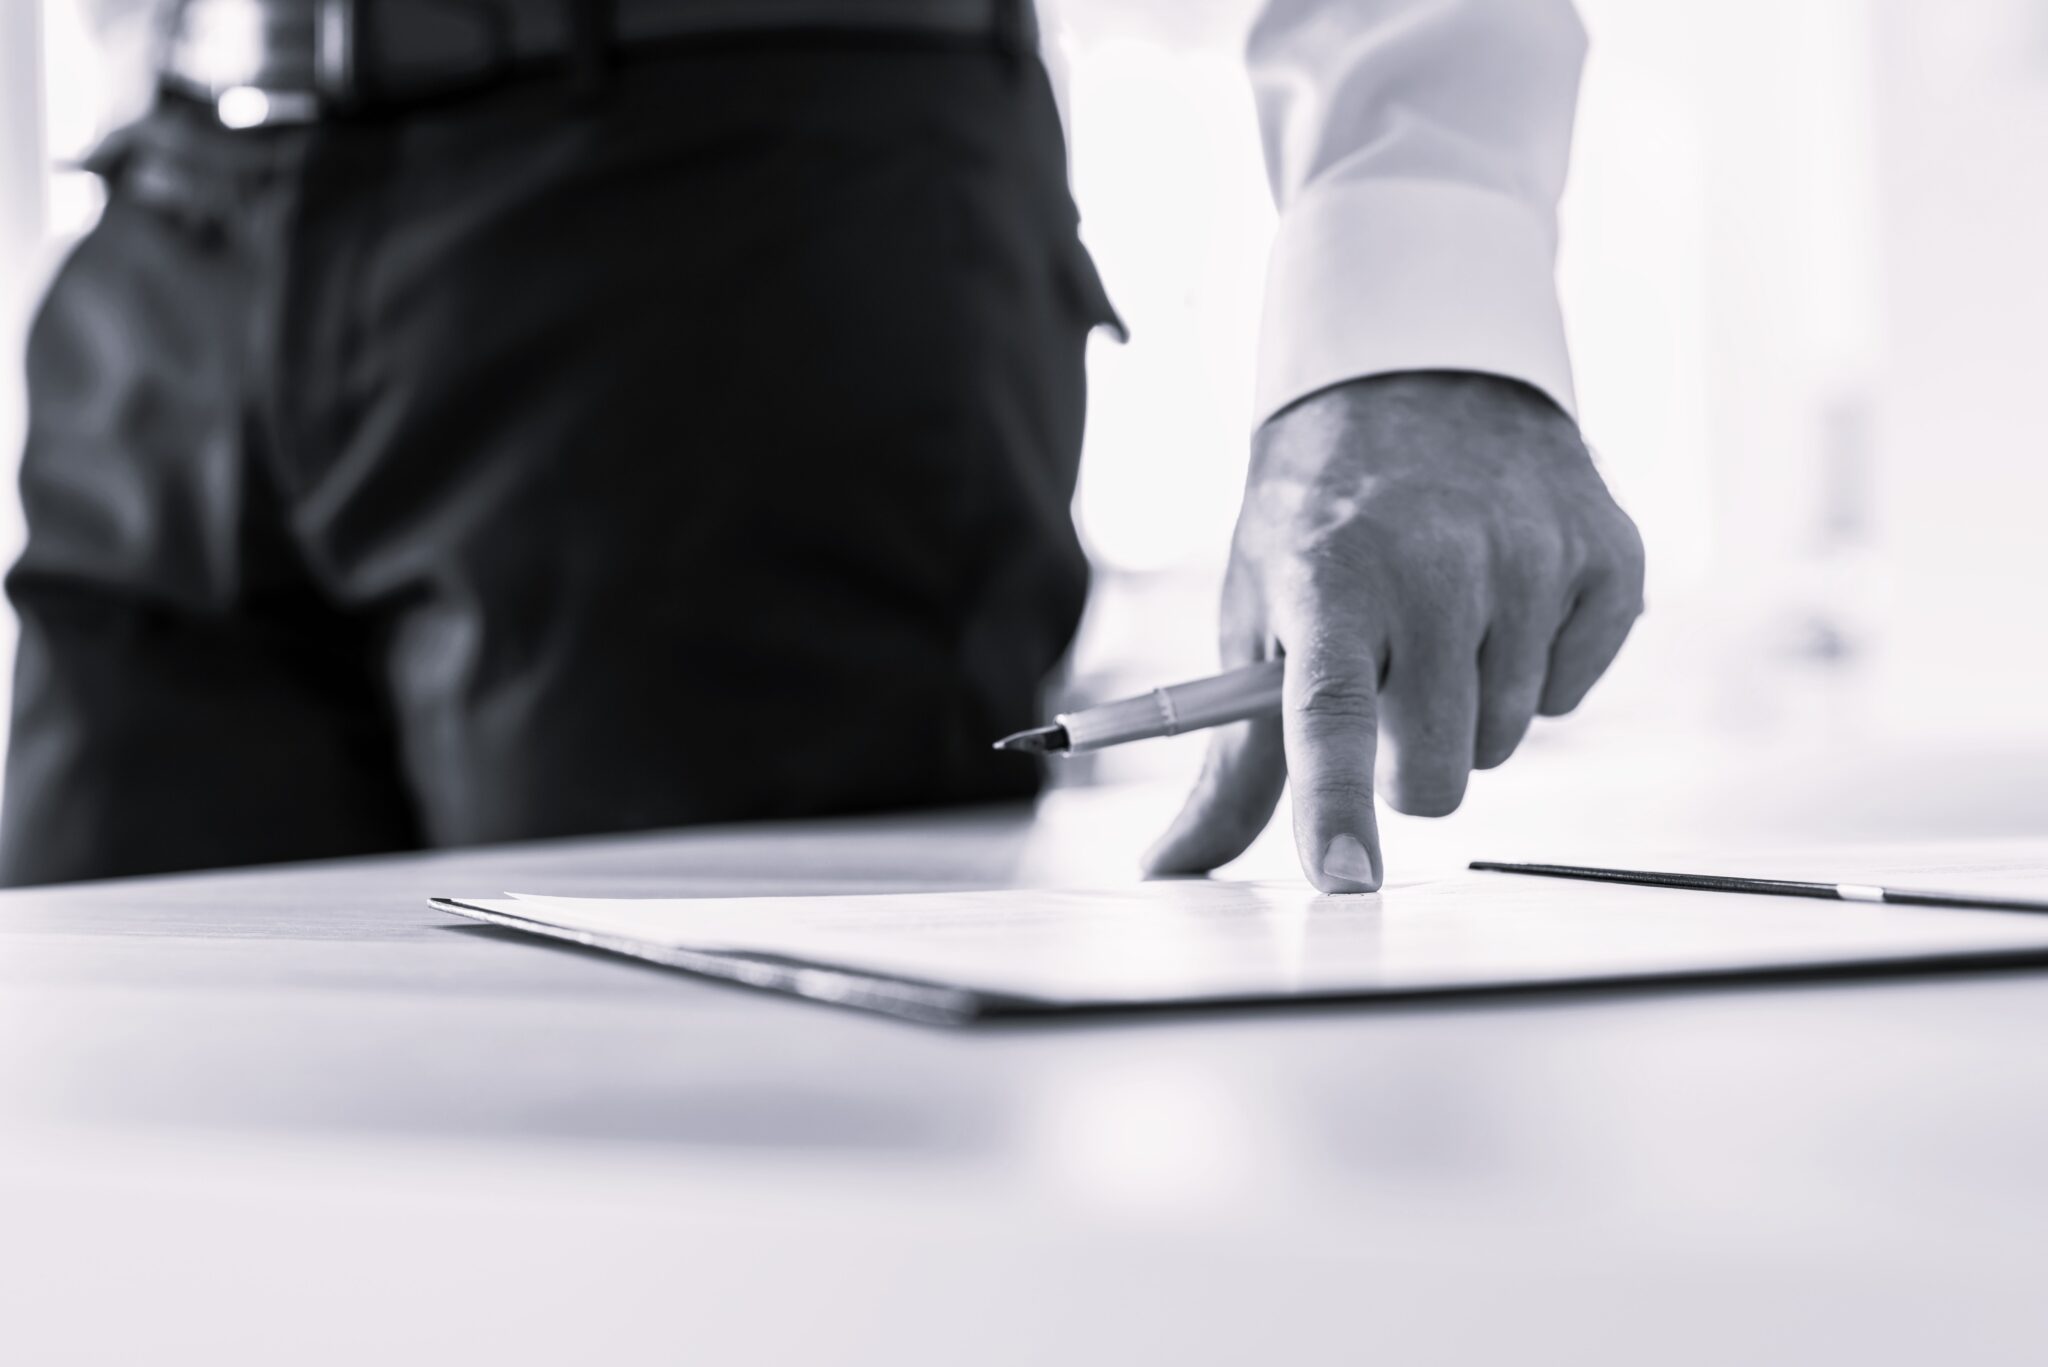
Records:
x=262, y=62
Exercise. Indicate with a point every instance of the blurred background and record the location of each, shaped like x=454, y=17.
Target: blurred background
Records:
x=1804, y=279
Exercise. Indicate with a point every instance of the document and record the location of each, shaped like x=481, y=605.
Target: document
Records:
x=949, y=956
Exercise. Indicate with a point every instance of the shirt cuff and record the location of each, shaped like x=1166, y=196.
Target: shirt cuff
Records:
x=1391, y=275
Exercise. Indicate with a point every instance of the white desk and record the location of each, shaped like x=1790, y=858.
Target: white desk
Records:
x=295, y=1115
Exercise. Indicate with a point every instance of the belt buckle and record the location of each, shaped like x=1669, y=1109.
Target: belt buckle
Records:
x=337, y=34
x=251, y=106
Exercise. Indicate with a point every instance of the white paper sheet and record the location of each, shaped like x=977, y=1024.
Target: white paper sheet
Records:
x=1203, y=941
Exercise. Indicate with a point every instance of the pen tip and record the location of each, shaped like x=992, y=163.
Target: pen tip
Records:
x=1038, y=740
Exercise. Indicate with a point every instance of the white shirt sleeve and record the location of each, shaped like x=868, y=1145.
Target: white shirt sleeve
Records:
x=1416, y=149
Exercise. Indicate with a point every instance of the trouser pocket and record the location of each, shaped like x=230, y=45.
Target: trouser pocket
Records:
x=142, y=166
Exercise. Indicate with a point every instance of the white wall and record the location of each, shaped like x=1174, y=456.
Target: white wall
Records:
x=1963, y=417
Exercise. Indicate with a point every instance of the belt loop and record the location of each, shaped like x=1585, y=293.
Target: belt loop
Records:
x=338, y=30
x=592, y=29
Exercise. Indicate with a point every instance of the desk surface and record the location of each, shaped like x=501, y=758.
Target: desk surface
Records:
x=235, y=1106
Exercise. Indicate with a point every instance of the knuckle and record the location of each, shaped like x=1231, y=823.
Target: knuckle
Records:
x=1534, y=557
x=1613, y=592
x=1327, y=695
x=1329, y=568
x=1632, y=539
x=1629, y=555
x=1451, y=542
x=1340, y=789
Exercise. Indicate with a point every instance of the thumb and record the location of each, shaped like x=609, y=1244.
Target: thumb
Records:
x=1231, y=802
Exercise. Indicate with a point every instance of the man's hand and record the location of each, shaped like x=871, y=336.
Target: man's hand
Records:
x=1436, y=557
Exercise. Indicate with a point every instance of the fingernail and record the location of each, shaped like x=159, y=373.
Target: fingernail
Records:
x=1347, y=860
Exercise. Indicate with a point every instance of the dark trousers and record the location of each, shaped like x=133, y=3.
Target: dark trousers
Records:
x=528, y=465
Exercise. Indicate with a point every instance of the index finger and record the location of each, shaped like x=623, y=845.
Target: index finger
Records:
x=1329, y=715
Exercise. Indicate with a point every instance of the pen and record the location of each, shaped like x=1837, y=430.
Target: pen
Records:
x=1194, y=706
x=1772, y=887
